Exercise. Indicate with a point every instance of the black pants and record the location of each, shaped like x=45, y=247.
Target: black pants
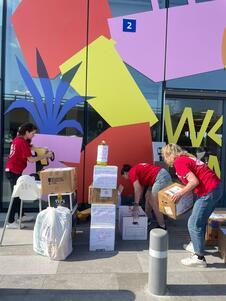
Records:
x=12, y=177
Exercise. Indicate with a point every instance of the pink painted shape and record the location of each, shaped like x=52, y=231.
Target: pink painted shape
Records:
x=65, y=148
x=144, y=49
x=194, y=40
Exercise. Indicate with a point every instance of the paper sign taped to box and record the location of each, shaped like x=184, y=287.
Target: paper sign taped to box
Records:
x=103, y=215
x=105, y=176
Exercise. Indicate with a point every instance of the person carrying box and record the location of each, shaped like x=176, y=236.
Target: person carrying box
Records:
x=147, y=175
x=198, y=178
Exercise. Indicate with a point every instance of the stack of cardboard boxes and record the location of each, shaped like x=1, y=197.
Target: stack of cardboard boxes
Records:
x=103, y=197
x=59, y=181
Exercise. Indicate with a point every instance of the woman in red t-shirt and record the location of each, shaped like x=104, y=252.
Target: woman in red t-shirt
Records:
x=20, y=153
x=154, y=178
x=200, y=179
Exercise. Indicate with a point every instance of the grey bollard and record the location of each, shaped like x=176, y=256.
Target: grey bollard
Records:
x=158, y=246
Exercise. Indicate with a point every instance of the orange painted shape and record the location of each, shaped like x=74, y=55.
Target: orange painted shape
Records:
x=129, y=144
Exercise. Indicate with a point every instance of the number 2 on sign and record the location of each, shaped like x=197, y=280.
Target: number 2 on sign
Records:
x=129, y=25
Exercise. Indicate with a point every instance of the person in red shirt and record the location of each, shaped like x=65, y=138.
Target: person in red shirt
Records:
x=20, y=153
x=199, y=178
x=147, y=175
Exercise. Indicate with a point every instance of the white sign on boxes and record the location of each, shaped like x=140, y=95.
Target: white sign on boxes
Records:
x=102, y=227
x=105, y=176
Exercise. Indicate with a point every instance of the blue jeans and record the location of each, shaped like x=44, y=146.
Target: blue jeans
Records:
x=198, y=220
x=162, y=180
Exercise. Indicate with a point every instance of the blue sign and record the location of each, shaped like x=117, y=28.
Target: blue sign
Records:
x=129, y=25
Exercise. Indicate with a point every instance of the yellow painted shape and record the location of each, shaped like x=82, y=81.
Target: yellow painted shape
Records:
x=212, y=133
x=214, y=165
x=118, y=99
x=186, y=116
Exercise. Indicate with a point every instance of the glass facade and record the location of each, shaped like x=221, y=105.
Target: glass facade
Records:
x=132, y=62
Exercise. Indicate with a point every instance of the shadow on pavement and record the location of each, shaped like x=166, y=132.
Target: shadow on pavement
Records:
x=197, y=290
x=65, y=295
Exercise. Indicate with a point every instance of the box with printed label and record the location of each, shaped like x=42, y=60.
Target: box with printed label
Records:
x=215, y=221
x=58, y=180
x=105, y=176
x=102, y=195
x=68, y=200
x=102, y=238
x=222, y=242
x=166, y=204
x=132, y=228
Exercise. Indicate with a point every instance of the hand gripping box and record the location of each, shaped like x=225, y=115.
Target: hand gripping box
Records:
x=58, y=180
x=168, y=207
x=131, y=228
x=102, y=195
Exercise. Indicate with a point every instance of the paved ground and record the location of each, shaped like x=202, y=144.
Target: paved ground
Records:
x=111, y=276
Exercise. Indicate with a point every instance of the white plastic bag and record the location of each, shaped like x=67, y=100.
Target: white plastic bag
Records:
x=52, y=233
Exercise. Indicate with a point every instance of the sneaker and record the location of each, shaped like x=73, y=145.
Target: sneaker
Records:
x=27, y=218
x=189, y=247
x=193, y=261
x=14, y=225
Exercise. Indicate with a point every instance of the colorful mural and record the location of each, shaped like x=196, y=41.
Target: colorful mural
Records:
x=90, y=50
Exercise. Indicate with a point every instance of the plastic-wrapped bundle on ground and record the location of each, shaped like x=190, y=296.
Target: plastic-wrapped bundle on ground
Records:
x=52, y=233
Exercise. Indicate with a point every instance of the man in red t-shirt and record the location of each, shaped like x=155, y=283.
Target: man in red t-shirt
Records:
x=20, y=153
x=198, y=178
x=154, y=178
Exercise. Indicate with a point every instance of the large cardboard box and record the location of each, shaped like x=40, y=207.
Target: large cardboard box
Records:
x=130, y=228
x=58, y=180
x=222, y=242
x=105, y=176
x=102, y=196
x=102, y=238
x=168, y=207
x=216, y=219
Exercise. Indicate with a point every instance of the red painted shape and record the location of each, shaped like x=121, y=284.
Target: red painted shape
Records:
x=58, y=28
x=127, y=144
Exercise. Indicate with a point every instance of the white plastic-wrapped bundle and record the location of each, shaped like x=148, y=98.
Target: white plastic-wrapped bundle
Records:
x=52, y=233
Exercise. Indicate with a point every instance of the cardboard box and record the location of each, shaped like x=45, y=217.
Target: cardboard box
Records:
x=103, y=215
x=102, y=196
x=68, y=200
x=222, y=242
x=216, y=219
x=130, y=228
x=168, y=207
x=102, y=238
x=58, y=180
x=105, y=176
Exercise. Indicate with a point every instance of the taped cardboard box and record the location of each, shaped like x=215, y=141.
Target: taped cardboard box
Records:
x=102, y=196
x=58, y=180
x=216, y=220
x=131, y=228
x=168, y=207
x=222, y=242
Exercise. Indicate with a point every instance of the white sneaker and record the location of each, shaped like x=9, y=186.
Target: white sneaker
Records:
x=14, y=225
x=189, y=247
x=193, y=261
x=27, y=218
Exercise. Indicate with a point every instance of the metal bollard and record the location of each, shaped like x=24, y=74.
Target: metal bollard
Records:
x=158, y=246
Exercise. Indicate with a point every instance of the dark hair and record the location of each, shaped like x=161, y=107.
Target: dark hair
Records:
x=125, y=168
x=26, y=127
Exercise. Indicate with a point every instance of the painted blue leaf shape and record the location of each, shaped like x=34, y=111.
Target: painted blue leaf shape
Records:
x=69, y=124
x=46, y=83
x=63, y=86
x=30, y=107
x=33, y=89
x=71, y=103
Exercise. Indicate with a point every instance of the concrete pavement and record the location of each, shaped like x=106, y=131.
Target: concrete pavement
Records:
x=118, y=275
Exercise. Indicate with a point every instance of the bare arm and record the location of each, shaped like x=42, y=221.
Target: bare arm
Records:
x=192, y=183
x=138, y=191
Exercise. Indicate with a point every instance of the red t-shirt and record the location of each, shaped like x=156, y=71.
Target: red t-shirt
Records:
x=19, y=152
x=208, y=180
x=145, y=173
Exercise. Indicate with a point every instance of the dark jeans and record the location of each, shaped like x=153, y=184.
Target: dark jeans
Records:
x=12, y=177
